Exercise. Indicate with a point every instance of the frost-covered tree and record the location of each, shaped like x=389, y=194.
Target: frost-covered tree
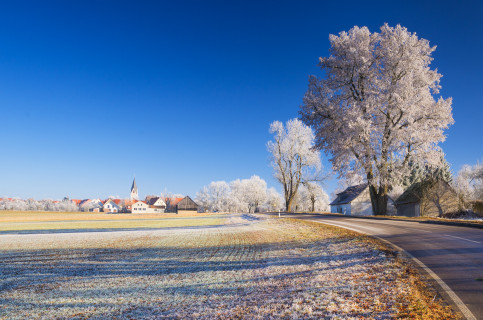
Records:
x=376, y=108
x=238, y=196
x=417, y=173
x=215, y=196
x=274, y=200
x=292, y=157
x=317, y=197
x=255, y=192
x=311, y=197
x=469, y=183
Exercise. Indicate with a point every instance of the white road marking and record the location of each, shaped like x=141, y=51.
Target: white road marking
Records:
x=457, y=301
x=422, y=230
x=462, y=238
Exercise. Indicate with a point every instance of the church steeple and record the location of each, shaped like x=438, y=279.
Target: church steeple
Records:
x=134, y=190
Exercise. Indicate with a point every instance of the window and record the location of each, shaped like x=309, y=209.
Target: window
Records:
x=144, y=209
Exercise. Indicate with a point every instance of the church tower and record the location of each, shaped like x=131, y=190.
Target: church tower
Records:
x=134, y=190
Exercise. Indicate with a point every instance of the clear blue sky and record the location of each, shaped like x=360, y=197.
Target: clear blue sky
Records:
x=182, y=93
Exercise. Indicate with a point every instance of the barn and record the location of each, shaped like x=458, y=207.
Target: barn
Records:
x=427, y=199
x=186, y=205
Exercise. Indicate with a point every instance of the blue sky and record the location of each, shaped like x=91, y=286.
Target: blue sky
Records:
x=182, y=93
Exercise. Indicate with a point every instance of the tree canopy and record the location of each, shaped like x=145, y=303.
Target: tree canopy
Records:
x=376, y=108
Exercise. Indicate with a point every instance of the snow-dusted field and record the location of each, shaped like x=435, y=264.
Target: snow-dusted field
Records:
x=249, y=268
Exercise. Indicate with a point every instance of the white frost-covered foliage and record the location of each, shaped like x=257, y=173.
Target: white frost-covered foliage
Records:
x=376, y=109
x=292, y=156
x=469, y=182
x=34, y=205
x=274, y=200
x=215, y=196
x=237, y=196
x=312, y=197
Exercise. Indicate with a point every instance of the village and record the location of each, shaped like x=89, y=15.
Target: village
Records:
x=151, y=204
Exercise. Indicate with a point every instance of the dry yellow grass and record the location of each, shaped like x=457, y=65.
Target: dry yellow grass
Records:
x=23, y=216
x=34, y=221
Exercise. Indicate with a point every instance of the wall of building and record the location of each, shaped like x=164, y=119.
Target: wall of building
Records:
x=438, y=200
x=408, y=210
x=341, y=208
x=362, y=206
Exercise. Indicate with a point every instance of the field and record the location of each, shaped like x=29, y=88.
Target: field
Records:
x=22, y=221
x=240, y=266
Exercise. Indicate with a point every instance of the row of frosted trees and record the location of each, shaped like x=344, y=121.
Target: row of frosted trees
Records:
x=250, y=195
x=40, y=205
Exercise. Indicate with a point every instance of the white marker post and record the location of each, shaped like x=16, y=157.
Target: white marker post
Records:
x=279, y=213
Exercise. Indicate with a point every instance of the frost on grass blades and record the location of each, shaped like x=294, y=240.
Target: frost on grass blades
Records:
x=250, y=268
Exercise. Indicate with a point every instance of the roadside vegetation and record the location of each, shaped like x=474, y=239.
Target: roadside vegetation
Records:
x=250, y=268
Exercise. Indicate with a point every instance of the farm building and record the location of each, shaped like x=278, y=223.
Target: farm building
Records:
x=186, y=205
x=356, y=201
x=427, y=199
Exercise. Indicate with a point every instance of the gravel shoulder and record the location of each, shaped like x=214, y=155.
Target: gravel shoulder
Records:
x=250, y=267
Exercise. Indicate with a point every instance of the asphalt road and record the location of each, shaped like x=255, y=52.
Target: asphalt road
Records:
x=453, y=253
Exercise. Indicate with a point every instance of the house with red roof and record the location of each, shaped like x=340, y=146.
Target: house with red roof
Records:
x=111, y=206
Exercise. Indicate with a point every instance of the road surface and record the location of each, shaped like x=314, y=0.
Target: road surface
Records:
x=453, y=253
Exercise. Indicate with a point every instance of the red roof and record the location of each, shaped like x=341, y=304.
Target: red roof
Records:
x=173, y=201
x=116, y=201
x=76, y=201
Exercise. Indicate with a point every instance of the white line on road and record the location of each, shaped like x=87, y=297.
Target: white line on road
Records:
x=462, y=238
x=457, y=301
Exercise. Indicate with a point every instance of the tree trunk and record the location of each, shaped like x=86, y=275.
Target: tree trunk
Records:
x=288, y=204
x=378, y=200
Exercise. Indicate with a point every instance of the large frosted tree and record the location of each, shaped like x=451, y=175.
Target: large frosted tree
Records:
x=293, y=159
x=376, y=109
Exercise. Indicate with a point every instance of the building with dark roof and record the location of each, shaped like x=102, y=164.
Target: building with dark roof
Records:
x=427, y=199
x=356, y=201
x=186, y=205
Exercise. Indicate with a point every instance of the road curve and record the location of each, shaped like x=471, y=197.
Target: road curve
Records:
x=452, y=253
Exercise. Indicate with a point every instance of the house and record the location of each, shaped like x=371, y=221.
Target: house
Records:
x=356, y=201
x=427, y=199
x=92, y=205
x=186, y=205
x=111, y=206
x=139, y=207
x=156, y=205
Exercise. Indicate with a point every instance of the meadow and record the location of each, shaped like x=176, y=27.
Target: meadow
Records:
x=240, y=266
x=71, y=221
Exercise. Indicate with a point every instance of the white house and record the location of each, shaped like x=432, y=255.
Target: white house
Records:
x=140, y=207
x=111, y=206
x=153, y=205
x=156, y=205
x=356, y=201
